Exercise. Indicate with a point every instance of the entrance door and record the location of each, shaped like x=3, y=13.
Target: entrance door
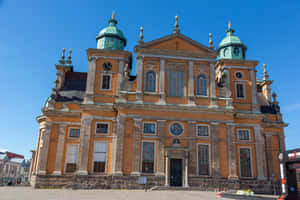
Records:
x=176, y=172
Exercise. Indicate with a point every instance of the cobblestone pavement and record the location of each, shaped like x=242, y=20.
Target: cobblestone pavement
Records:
x=28, y=193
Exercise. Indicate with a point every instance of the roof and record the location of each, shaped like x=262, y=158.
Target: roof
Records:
x=73, y=88
x=11, y=155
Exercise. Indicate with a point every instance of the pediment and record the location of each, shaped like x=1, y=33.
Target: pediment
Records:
x=177, y=42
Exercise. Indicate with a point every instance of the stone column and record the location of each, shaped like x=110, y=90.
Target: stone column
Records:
x=281, y=142
x=186, y=174
x=85, y=135
x=161, y=145
x=167, y=172
x=60, y=149
x=162, y=94
x=117, y=147
x=213, y=101
x=120, y=75
x=192, y=148
x=215, y=149
x=255, y=106
x=137, y=147
x=231, y=151
x=45, y=131
x=260, y=153
x=89, y=93
x=191, y=83
x=139, y=77
x=270, y=156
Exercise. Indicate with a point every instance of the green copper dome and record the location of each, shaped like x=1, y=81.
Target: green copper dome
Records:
x=111, y=37
x=231, y=47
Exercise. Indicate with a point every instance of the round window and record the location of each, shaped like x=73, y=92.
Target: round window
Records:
x=176, y=129
x=239, y=75
x=107, y=66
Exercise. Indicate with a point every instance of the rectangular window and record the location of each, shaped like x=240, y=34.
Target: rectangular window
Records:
x=245, y=163
x=149, y=128
x=102, y=128
x=203, y=160
x=176, y=83
x=202, y=130
x=105, y=82
x=148, y=157
x=243, y=134
x=240, y=90
x=72, y=157
x=74, y=132
x=99, y=157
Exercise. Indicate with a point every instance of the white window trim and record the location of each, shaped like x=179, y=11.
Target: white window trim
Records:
x=156, y=81
x=244, y=89
x=149, y=122
x=141, y=160
x=101, y=81
x=243, y=129
x=208, y=85
x=174, y=123
x=66, y=159
x=69, y=131
x=197, y=125
x=95, y=141
x=108, y=128
x=243, y=75
x=209, y=156
x=251, y=166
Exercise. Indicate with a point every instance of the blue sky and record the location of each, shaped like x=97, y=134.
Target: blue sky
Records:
x=33, y=32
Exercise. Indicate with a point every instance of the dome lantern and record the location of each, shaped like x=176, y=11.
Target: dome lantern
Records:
x=231, y=47
x=111, y=37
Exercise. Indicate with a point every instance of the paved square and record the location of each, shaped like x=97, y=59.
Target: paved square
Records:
x=28, y=193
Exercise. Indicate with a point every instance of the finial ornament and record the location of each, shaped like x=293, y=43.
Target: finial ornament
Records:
x=141, y=41
x=69, y=61
x=176, y=29
x=265, y=76
x=113, y=15
x=274, y=95
x=229, y=24
x=62, y=60
x=210, y=41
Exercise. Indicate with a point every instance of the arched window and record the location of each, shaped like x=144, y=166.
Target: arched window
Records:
x=202, y=85
x=150, y=81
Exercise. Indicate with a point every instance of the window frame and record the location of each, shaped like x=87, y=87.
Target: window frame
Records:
x=155, y=81
x=101, y=81
x=236, y=90
x=243, y=129
x=177, y=67
x=207, y=84
x=108, y=128
x=154, y=157
x=251, y=165
x=209, y=159
x=197, y=125
x=106, y=157
x=155, y=128
x=69, y=132
x=66, y=157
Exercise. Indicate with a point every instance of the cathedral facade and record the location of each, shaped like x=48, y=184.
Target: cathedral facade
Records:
x=193, y=116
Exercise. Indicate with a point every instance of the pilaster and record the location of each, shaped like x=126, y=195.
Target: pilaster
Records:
x=192, y=147
x=45, y=131
x=215, y=149
x=213, y=101
x=191, y=83
x=85, y=135
x=255, y=106
x=162, y=94
x=161, y=152
x=231, y=151
x=139, y=76
x=136, y=146
x=60, y=149
x=260, y=153
x=270, y=156
x=117, y=146
x=120, y=75
x=89, y=93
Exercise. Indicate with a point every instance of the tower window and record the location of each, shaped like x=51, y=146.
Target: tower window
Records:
x=150, y=81
x=106, y=82
x=240, y=90
x=202, y=85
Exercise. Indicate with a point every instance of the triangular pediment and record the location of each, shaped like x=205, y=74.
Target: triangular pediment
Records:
x=177, y=42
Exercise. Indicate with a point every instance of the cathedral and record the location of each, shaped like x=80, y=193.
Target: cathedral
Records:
x=193, y=116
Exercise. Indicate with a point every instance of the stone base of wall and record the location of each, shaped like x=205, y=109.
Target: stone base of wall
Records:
x=131, y=182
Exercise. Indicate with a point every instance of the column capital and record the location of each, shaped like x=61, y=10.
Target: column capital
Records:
x=137, y=119
x=230, y=124
x=215, y=123
x=161, y=120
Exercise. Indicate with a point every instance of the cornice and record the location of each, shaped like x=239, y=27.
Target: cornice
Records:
x=252, y=63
